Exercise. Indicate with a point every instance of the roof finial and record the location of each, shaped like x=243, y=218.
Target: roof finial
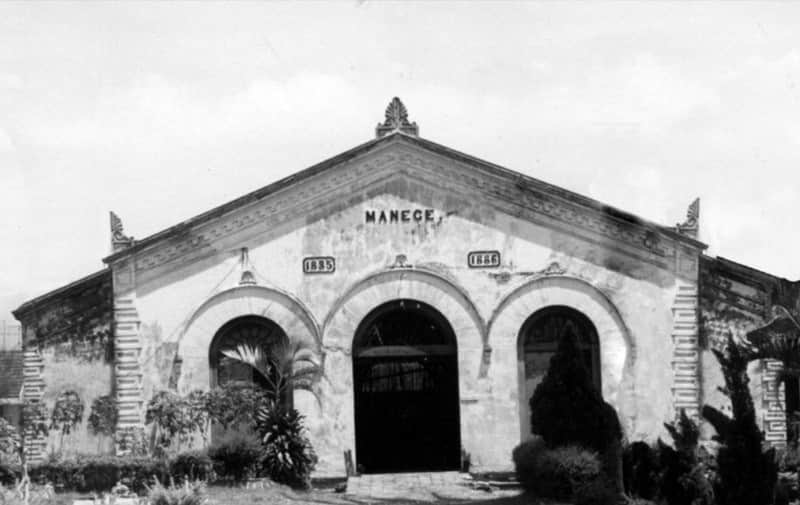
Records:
x=119, y=240
x=691, y=226
x=396, y=119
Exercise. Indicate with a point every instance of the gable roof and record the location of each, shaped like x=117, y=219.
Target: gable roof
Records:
x=399, y=136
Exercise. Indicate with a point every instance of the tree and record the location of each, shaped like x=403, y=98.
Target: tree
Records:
x=284, y=366
x=747, y=473
x=103, y=416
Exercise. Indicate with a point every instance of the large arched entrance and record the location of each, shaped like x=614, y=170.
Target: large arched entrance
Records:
x=538, y=340
x=405, y=378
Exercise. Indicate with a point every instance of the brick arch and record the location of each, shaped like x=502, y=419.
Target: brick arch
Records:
x=617, y=351
x=281, y=308
x=341, y=324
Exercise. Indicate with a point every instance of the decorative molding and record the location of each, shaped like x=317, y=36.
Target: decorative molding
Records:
x=553, y=269
x=33, y=387
x=119, y=240
x=401, y=261
x=340, y=184
x=396, y=118
x=691, y=226
x=247, y=277
x=773, y=403
x=686, y=353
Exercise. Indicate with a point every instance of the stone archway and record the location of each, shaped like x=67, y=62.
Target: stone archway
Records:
x=615, y=353
x=341, y=326
x=406, y=402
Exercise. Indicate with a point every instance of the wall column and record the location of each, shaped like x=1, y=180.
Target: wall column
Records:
x=686, y=353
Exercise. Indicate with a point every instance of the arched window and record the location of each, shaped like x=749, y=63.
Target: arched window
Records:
x=538, y=340
x=256, y=332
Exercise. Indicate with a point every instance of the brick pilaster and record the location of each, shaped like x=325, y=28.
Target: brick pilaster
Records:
x=685, y=354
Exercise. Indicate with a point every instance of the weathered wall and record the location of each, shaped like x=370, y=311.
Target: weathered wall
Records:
x=630, y=294
x=67, y=344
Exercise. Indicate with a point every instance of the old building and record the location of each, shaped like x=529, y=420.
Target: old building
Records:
x=432, y=287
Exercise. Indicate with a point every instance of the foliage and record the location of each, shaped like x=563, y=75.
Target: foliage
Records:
x=131, y=441
x=99, y=473
x=747, y=473
x=554, y=473
x=10, y=444
x=103, y=415
x=566, y=408
x=176, y=418
x=686, y=473
x=193, y=493
x=34, y=418
x=236, y=455
x=284, y=365
x=289, y=457
x=788, y=458
x=191, y=466
x=67, y=412
x=597, y=491
x=641, y=470
x=233, y=405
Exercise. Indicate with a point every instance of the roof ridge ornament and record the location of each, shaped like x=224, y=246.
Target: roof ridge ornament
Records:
x=691, y=227
x=396, y=119
x=119, y=240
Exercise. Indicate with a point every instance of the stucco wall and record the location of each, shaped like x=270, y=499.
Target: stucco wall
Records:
x=628, y=299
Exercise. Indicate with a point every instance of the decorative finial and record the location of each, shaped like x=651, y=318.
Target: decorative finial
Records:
x=691, y=226
x=396, y=119
x=119, y=240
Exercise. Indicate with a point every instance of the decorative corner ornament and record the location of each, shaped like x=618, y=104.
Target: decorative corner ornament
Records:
x=553, y=269
x=119, y=240
x=691, y=227
x=401, y=261
x=396, y=118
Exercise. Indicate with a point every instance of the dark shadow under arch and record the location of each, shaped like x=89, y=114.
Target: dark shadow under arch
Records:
x=405, y=379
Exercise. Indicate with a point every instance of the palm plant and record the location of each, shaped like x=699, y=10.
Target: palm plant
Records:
x=284, y=366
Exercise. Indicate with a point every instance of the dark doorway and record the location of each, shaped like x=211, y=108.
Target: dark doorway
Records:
x=405, y=370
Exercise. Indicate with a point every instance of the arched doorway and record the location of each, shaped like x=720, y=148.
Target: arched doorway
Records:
x=405, y=377
x=257, y=332
x=538, y=341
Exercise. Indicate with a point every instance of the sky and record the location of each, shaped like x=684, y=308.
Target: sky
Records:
x=160, y=111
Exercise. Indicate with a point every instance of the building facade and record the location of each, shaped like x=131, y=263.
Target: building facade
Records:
x=432, y=288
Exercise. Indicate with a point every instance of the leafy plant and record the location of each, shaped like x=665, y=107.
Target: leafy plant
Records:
x=103, y=415
x=747, y=473
x=237, y=455
x=10, y=443
x=175, y=418
x=284, y=365
x=686, y=475
x=190, y=493
x=289, y=457
x=233, y=405
x=67, y=414
x=191, y=466
x=641, y=470
x=554, y=473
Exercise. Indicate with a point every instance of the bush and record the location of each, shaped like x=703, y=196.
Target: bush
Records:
x=187, y=494
x=685, y=470
x=236, y=455
x=554, y=473
x=641, y=470
x=566, y=408
x=99, y=474
x=191, y=466
x=598, y=491
x=288, y=455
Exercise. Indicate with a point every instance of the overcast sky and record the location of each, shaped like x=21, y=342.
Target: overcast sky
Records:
x=161, y=111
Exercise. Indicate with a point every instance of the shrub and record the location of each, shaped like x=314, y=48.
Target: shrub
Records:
x=103, y=416
x=288, y=455
x=176, y=418
x=233, y=405
x=554, y=473
x=566, y=408
x=685, y=470
x=747, y=473
x=99, y=473
x=188, y=494
x=641, y=470
x=191, y=466
x=598, y=491
x=236, y=455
